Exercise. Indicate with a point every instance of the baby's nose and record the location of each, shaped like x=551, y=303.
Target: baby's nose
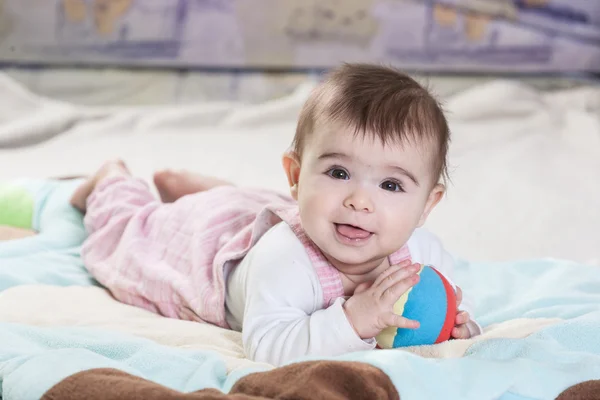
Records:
x=359, y=201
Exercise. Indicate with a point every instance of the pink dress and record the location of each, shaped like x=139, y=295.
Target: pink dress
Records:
x=170, y=258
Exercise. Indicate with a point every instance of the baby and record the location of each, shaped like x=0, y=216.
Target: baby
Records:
x=314, y=274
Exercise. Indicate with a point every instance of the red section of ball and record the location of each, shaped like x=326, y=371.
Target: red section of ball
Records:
x=452, y=310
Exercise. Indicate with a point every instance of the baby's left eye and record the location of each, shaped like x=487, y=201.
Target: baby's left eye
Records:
x=391, y=186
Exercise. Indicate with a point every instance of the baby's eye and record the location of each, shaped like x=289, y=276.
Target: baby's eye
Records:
x=391, y=186
x=338, y=173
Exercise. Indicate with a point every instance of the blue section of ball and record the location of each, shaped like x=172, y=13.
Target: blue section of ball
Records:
x=427, y=303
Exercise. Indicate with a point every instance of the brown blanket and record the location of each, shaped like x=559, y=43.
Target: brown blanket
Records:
x=319, y=380
x=316, y=380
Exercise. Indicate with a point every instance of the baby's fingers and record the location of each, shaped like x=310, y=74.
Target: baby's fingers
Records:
x=394, y=268
x=461, y=332
x=462, y=318
x=399, y=321
x=400, y=284
x=395, y=278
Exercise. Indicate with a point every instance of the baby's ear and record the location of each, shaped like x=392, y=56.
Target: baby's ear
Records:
x=436, y=194
x=291, y=166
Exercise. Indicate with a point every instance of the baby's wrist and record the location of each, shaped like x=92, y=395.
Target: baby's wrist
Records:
x=348, y=315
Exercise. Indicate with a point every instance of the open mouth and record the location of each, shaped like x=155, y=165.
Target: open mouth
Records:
x=352, y=232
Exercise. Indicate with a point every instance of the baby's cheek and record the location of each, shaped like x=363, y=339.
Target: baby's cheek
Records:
x=324, y=200
x=395, y=217
x=314, y=212
x=394, y=234
x=312, y=206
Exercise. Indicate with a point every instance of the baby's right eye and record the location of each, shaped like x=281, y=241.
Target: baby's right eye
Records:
x=338, y=173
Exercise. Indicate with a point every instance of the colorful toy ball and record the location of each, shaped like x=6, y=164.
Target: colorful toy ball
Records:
x=432, y=302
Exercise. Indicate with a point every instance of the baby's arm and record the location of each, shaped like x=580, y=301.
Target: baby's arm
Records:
x=283, y=316
x=426, y=248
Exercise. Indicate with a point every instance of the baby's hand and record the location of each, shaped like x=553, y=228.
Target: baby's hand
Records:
x=461, y=330
x=370, y=309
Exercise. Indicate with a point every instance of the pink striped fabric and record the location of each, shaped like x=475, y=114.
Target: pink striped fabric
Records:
x=399, y=256
x=329, y=277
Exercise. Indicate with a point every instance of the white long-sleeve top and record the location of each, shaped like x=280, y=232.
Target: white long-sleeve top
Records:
x=274, y=297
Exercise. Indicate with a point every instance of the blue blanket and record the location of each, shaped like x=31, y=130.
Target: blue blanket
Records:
x=32, y=359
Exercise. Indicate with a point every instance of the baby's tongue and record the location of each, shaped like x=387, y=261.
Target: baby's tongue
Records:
x=352, y=232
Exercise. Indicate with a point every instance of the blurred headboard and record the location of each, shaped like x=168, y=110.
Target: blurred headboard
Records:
x=439, y=35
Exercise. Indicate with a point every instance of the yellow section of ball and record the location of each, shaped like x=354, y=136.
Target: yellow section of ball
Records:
x=385, y=339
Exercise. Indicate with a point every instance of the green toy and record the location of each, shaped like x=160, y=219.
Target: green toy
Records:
x=41, y=205
x=16, y=206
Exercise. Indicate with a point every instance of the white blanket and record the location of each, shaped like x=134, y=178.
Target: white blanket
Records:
x=94, y=307
x=525, y=163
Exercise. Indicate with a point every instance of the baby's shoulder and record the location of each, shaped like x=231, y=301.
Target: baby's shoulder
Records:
x=281, y=246
x=281, y=239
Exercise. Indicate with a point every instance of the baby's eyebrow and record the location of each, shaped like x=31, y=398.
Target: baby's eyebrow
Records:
x=325, y=156
x=405, y=173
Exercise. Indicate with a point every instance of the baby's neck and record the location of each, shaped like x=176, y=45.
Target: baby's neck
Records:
x=367, y=272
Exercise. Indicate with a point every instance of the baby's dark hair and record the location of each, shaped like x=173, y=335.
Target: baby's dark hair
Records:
x=379, y=101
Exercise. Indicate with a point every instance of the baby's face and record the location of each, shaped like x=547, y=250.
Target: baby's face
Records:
x=359, y=200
